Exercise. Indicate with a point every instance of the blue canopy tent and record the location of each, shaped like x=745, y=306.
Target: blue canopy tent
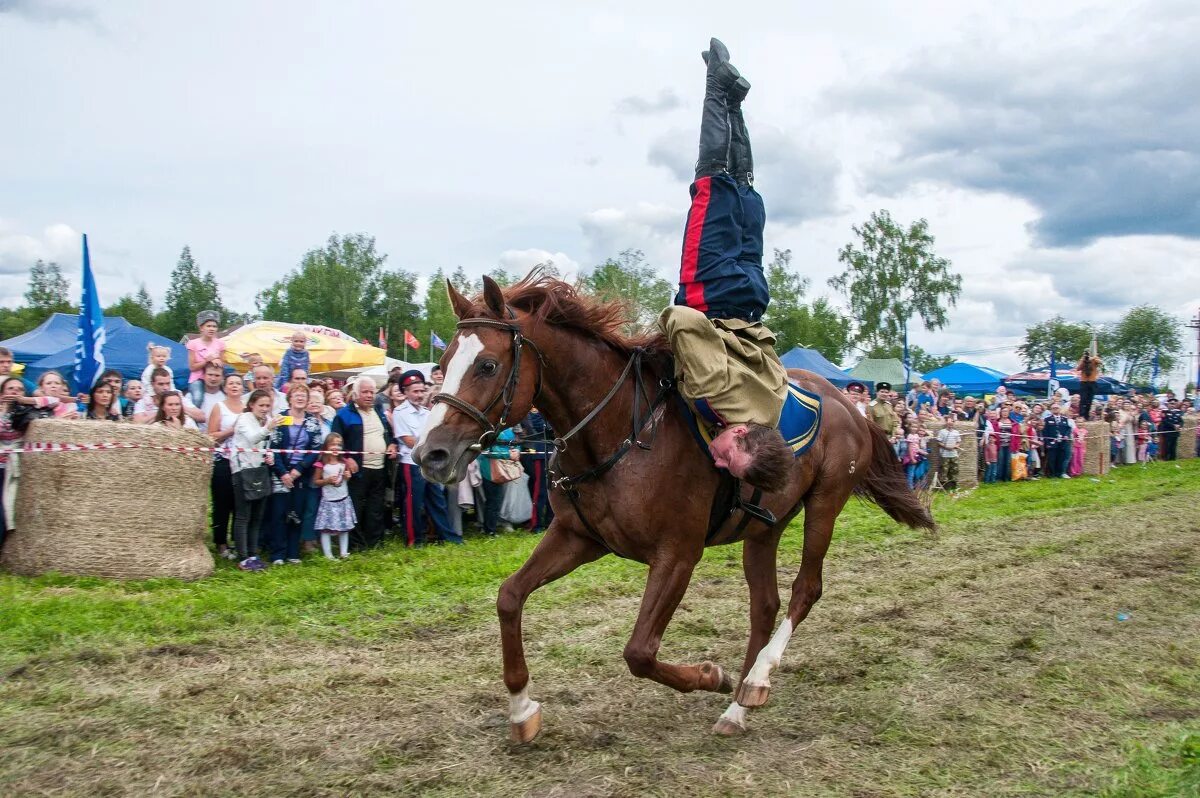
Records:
x=965, y=378
x=1036, y=382
x=814, y=361
x=51, y=346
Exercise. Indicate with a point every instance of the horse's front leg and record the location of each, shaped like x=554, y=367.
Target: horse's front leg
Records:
x=557, y=554
x=667, y=583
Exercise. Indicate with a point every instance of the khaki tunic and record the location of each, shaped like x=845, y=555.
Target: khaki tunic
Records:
x=883, y=414
x=729, y=363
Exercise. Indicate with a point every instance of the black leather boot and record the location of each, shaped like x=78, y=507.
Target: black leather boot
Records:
x=714, y=119
x=741, y=159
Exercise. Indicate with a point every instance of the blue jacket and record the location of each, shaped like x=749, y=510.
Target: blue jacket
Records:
x=1057, y=430
x=310, y=435
x=536, y=436
x=348, y=424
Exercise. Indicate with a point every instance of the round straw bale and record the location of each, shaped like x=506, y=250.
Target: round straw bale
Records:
x=124, y=513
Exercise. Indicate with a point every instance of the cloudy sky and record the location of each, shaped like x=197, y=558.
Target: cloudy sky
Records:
x=1053, y=147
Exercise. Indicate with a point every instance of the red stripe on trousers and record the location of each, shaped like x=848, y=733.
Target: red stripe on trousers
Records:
x=408, y=505
x=693, y=291
x=537, y=489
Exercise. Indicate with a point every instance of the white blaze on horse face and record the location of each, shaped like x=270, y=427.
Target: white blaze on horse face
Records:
x=768, y=659
x=469, y=347
x=521, y=707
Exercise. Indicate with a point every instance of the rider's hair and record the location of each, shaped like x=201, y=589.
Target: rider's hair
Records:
x=770, y=457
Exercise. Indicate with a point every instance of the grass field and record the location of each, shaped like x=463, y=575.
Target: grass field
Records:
x=988, y=660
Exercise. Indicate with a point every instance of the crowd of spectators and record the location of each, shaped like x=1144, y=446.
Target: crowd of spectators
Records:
x=1021, y=437
x=301, y=465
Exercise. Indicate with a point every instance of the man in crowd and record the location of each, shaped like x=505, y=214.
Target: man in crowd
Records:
x=535, y=440
x=264, y=380
x=365, y=429
x=416, y=497
x=725, y=359
x=147, y=407
x=881, y=411
x=214, y=375
x=1056, y=437
x=1171, y=424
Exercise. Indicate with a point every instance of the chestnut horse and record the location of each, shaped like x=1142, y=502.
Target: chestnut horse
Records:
x=651, y=488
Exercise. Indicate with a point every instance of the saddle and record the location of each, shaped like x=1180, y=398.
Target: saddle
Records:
x=799, y=423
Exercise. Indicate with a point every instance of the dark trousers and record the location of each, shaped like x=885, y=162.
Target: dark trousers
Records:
x=247, y=519
x=539, y=492
x=1087, y=391
x=1170, y=444
x=418, y=498
x=367, y=489
x=220, y=487
x=1004, y=464
x=721, y=267
x=1057, y=460
x=285, y=534
x=493, y=497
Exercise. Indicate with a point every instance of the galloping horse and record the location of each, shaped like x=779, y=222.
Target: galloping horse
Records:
x=630, y=479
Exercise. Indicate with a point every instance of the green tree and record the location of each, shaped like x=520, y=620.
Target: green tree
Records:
x=390, y=302
x=15, y=321
x=630, y=279
x=890, y=275
x=1143, y=333
x=920, y=361
x=48, y=290
x=189, y=291
x=464, y=284
x=1066, y=339
x=817, y=325
x=136, y=308
x=439, y=314
x=336, y=285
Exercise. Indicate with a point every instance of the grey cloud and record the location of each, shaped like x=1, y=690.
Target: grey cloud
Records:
x=798, y=182
x=634, y=105
x=40, y=11
x=1100, y=132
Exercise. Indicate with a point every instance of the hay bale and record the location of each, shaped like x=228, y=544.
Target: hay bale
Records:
x=1187, y=437
x=968, y=454
x=1096, y=460
x=124, y=514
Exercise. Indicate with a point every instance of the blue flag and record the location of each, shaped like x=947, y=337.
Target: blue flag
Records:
x=435, y=341
x=89, y=341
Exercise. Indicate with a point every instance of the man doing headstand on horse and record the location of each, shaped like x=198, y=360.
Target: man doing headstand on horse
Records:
x=725, y=359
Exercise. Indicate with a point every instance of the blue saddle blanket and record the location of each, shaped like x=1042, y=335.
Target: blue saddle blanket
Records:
x=799, y=422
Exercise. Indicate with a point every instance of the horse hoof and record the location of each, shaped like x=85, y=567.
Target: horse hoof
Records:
x=727, y=728
x=527, y=729
x=723, y=681
x=752, y=695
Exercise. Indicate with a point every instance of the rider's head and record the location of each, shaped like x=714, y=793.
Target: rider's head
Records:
x=755, y=453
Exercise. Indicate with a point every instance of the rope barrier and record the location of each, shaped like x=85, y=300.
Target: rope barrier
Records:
x=41, y=448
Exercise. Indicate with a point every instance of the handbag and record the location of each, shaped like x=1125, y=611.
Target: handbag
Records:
x=504, y=471
x=256, y=482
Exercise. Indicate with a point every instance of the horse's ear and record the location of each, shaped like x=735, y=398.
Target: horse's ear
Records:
x=493, y=296
x=460, y=304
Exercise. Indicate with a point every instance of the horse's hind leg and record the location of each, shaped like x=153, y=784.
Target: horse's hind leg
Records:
x=667, y=583
x=557, y=554
x=758, y=564
x=820, y=513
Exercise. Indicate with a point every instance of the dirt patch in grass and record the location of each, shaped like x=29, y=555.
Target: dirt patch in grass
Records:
x=1018, y=659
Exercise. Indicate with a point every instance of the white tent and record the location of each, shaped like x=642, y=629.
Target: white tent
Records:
x=379, y=373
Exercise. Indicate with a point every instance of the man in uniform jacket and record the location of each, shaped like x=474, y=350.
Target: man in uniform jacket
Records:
x=1056, y=437
x=881, y=411
x=1172, y=423
x=535, y=438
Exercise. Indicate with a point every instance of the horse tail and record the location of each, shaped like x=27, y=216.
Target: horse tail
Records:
x=885, y=484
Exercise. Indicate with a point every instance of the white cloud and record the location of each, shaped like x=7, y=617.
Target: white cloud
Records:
x=520, y=261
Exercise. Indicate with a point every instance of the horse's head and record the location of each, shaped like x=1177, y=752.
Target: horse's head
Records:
x=492, y=374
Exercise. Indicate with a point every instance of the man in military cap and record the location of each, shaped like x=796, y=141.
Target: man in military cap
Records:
x=416, y=497
x=725, y=359
x=881, y=411
x=1172, y=423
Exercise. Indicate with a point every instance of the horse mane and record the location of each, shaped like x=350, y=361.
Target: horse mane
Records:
x=549, y=300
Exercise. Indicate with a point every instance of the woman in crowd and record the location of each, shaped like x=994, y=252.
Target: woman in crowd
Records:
x=131, y=396
x=504, y=448
x=252, y=428
x=317, y=406
x=103, y=402
x=220, y=428
x=1005, y=440
x=1128, y=420
x=294, y=496
x=52, y=384
x=336, y=399
x=170, y=412
x=12, y=396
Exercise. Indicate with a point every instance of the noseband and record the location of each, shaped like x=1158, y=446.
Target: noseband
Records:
x=507, y=393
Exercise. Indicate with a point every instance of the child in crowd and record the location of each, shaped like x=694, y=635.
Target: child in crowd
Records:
x=208, y=348
x=294, y=357
x=335, y=515
x=1152, y=444
x=253, y=361
x=949, y=441
x=914, y=451
x=1079, y=452
x=157, y=357
x=1143, y=442
x=991, y=447
x=1033, y=446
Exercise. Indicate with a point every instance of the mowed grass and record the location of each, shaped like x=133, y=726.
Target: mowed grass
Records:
x=985, y=660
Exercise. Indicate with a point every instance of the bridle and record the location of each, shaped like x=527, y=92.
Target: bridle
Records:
x=508, y=392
